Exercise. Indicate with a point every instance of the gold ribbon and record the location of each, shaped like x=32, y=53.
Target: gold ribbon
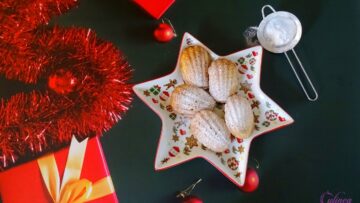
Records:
x=72, y=189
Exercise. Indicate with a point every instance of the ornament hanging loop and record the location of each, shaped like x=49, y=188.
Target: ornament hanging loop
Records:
x=257, y=164
x=279, y=32
x=167, y=21
x=188, y=190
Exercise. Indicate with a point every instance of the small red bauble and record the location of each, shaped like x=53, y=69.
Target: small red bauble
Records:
x=164, y=33
x=191, y=199
x=251, y=181
x=62, y=82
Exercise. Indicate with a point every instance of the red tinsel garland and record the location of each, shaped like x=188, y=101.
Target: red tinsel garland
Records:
x=24, y=15
x=18, y=17
x=84, y=79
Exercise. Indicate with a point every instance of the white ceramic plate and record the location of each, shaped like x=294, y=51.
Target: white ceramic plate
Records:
x=177, y=145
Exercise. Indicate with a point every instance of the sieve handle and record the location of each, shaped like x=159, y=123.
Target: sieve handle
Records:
x=263, y=10
x=306, y=75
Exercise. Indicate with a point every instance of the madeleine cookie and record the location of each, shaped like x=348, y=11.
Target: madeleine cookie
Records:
x=239, y=116
x=210, y=130
x=194, y=64
x=187, y=99
x=224, y=79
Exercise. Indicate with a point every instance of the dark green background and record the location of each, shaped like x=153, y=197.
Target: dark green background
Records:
x=319, y=152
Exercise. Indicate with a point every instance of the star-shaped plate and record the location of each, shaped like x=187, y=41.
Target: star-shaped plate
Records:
x=177, y=145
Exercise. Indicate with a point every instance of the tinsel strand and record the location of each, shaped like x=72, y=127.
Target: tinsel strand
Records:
x=31, y=123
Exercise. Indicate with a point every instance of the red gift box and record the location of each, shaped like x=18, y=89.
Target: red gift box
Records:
x=155, y=8
x=26, y=182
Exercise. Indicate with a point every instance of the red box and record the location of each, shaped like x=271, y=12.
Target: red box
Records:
x=156, y=8
x=24, y=183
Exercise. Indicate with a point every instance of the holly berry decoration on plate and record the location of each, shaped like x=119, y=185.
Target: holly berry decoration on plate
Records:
x=164, y=32
x=251, y=181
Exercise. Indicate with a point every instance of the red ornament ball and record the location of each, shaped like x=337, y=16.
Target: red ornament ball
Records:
x=164, y=33
x=251, y=181
x=62, y=82
x=191, y=199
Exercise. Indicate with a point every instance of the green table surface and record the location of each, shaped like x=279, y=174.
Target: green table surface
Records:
x=318, y=153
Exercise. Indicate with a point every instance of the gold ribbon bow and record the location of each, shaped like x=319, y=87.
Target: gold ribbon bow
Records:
x=72, y=189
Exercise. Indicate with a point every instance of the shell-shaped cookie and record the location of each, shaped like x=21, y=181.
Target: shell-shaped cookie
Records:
x=224, y=79
x=210, y=130
x=188, y=99
x=194, y=64
x=239, y=116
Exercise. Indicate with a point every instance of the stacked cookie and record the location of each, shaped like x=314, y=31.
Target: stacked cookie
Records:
x=208, y=82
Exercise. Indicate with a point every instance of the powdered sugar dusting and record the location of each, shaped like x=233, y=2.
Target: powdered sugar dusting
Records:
x=279, y=31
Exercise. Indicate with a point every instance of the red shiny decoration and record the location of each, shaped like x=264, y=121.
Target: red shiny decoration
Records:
x=156, y=8
x=164, y=33
x=62, y=82
x=86, y=78
x=251, y=181
x=191, y=199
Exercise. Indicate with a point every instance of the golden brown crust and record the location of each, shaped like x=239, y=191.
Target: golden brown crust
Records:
x=194, y=63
